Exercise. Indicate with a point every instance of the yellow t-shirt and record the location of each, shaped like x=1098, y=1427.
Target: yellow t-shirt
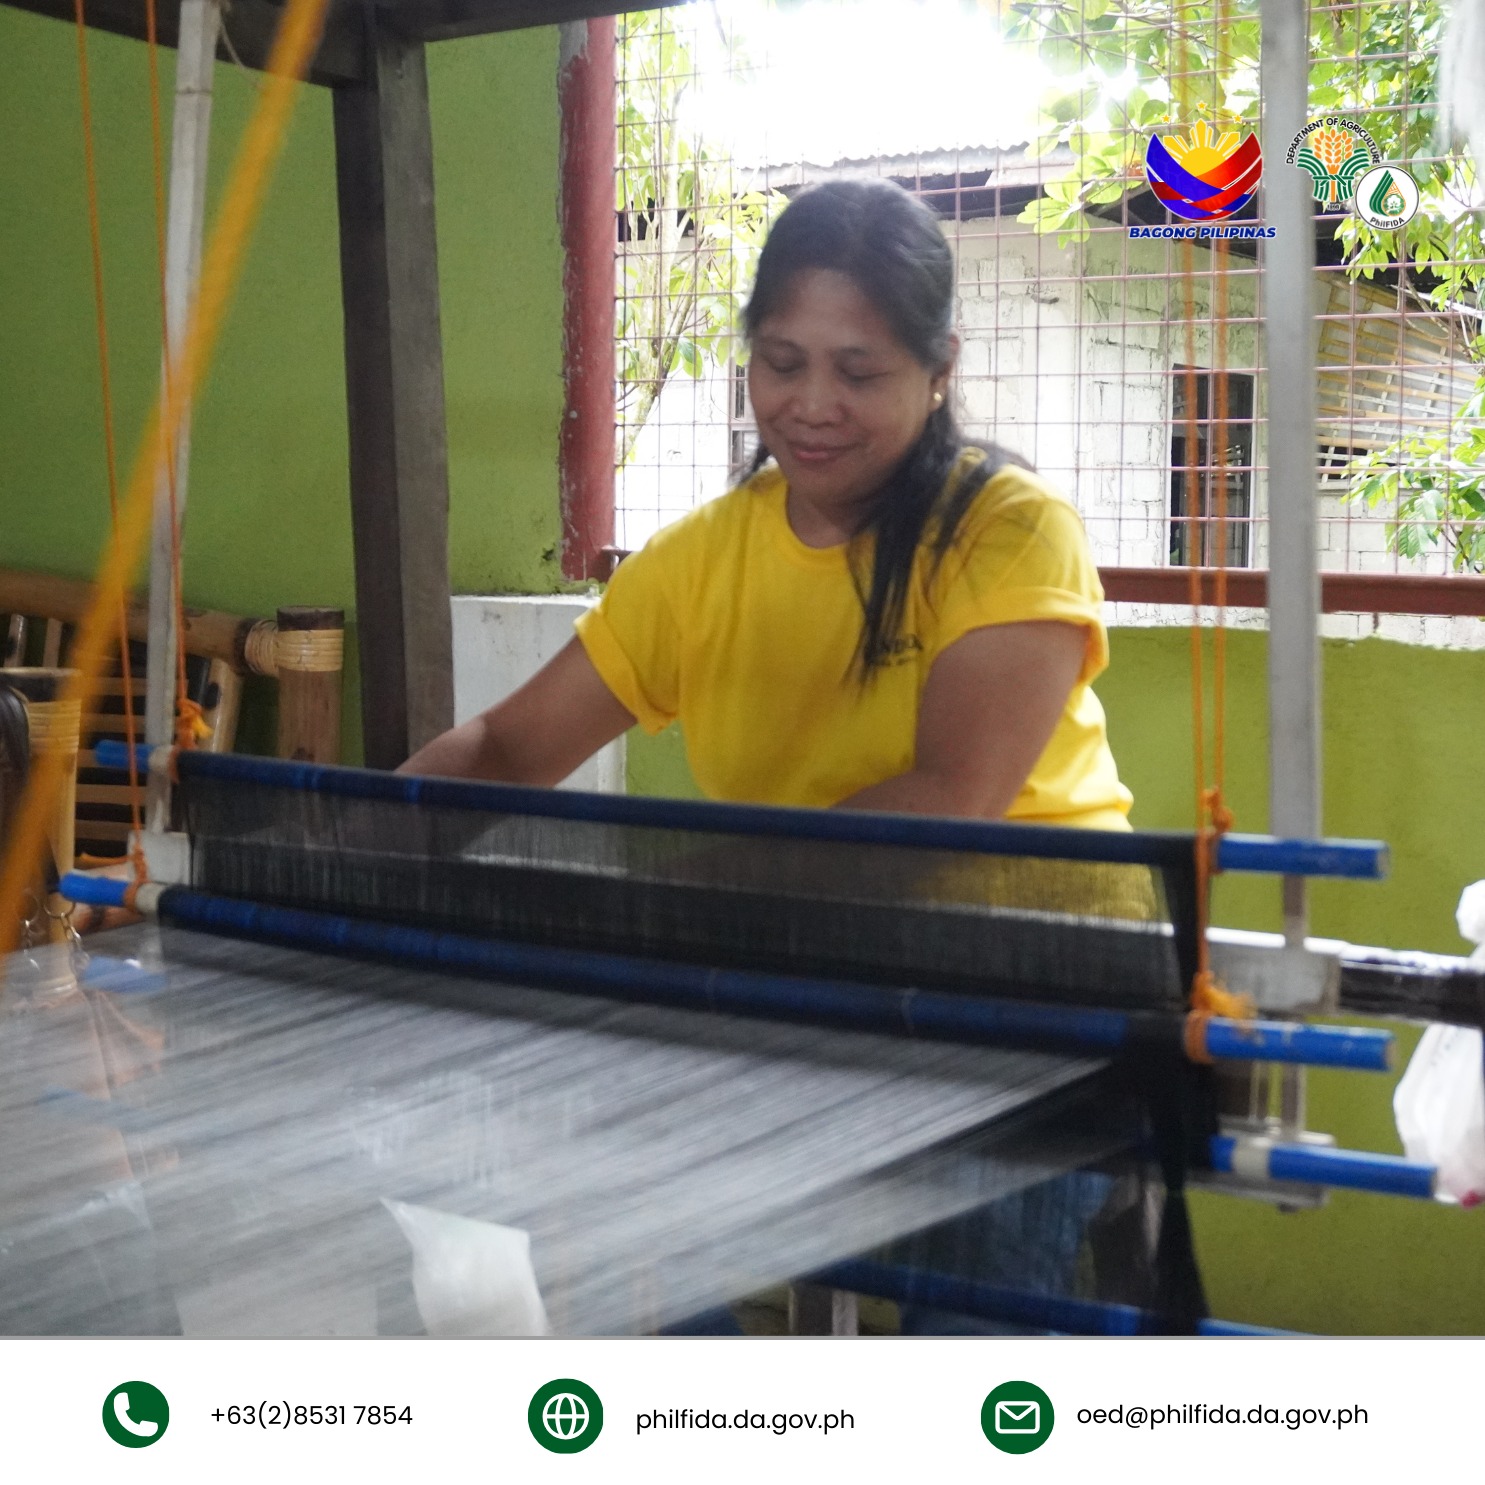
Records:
x=731, y=624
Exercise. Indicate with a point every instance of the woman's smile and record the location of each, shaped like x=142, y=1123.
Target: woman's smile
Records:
x=838, y=397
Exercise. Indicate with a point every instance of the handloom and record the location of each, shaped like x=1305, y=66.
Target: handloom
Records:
x=217, y=1135
x=1120, y=1013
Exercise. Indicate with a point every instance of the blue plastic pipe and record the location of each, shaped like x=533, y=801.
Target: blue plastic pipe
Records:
x=93, y=891
x=1359, y=860
x=1361, y=1048
x=116, y=755
x=1319, y=1165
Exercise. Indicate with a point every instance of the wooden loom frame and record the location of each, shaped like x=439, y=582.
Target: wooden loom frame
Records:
x=372, y=58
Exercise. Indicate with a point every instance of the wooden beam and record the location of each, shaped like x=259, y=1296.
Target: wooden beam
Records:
x=248, y=27
x=308, y=653
x=395, y=401
x=1340, y=592
x=65, y=600
x=446, y=20
x=249, y=24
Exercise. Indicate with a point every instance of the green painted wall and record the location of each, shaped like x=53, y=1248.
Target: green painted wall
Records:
x=495, y=125
x=269, y=519
x=1402, y=729
x=1401, y=744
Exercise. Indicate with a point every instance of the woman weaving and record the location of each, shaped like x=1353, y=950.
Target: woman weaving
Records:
x=882, y=616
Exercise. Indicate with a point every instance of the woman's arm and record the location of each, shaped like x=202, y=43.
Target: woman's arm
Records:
x=993, y=699
x=537, y=735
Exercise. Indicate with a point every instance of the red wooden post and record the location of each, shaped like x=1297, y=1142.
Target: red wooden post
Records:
x=585, y=92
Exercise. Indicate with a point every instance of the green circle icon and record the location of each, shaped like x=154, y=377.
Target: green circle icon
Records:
x=565, y=1416
x=1017, y=1417
x=136, y=1415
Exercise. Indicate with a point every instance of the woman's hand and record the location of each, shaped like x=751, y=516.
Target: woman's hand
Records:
x=991, y=705
x=538, y=734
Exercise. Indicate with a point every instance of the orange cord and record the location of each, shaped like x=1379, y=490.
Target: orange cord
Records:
x=1213, y=817
x=100, y=312
x=293, y=47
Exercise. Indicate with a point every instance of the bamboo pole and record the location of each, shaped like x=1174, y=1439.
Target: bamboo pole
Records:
x=309, y=655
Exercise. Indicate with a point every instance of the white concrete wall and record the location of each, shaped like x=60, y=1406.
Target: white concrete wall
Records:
x=1066, y=359
x=500, y=643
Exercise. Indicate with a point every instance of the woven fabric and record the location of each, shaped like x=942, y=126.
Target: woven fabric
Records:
x=212, y=1154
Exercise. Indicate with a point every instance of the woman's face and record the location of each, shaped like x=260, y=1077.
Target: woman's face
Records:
x=838, y=398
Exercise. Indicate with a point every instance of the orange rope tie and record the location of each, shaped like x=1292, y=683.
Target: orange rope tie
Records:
x=1209, y=997
x=191, y=726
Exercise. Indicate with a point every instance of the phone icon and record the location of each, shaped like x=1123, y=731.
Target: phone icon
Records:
x=146, y=1430
x=136, y=1415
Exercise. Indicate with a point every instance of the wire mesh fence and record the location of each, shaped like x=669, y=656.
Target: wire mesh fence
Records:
x=1123, y=360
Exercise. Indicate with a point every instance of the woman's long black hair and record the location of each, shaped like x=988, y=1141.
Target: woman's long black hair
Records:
x=891, y=247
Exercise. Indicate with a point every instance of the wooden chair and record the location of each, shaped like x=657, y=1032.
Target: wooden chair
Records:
x=301, y=648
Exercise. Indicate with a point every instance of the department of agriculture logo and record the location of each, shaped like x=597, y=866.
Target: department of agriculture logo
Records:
x=136, y=1415
x=1335, y=153
x=1204, y=176
x=1017, y=1417
x=565, y=1416
x=1386, y=198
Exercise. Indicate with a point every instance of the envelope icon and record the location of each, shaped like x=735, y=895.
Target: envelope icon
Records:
x=1018, y=1417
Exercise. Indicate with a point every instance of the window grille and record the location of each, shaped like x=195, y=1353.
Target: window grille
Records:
x=1074, y=327
x=1196, y=534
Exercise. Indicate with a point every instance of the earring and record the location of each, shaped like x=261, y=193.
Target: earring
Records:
x=938, y=399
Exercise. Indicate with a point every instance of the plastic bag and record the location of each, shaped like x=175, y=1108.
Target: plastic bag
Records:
x=1440, y=1102
x=1440, y=1109
x=1470, y=915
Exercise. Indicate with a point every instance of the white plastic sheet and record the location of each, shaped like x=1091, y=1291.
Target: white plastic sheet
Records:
x=1440, y=1102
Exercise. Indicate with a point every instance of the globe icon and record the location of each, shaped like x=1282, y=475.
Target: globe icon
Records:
x=565, y=1416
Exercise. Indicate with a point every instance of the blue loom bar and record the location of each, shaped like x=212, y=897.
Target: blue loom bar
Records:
x=1008, y=1306
x=94, y=891
x=1237, y=1328
x=116, y=755
x=1076, y=1030
x=1359, y=1048
x=1357, y=860
x=1073, y=1030
x=857, y=827
x=1320, y=1165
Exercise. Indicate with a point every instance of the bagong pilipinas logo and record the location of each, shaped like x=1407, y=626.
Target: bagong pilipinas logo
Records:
x=1204, y=176
x=1335, y=153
